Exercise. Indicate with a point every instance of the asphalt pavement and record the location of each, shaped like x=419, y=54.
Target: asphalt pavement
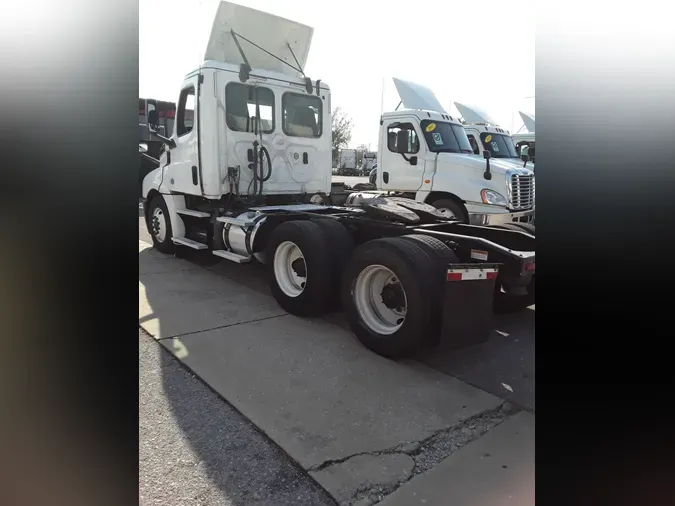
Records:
x=195, y=449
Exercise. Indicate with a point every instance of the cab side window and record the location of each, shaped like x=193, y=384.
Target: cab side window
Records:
x=412, y=145
x=186, y=111
x=302, y=115
x=242, y=101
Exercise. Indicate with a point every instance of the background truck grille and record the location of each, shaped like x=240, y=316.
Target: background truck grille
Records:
x=522, y=191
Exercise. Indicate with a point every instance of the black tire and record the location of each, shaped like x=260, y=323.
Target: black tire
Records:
x=313, y=243
x=409, y=263
x=452, y=206
x=510, y=226
x=166, y=246
x=440, y=255
x=526, y=227
x=341, y=246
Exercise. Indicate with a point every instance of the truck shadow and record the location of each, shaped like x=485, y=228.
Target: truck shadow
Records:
x=243, y=463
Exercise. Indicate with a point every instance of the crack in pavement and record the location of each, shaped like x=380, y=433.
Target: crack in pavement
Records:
x=426, y=453
x=214, y=328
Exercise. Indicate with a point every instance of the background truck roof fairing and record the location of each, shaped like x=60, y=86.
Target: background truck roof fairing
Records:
x=528, y=120
x=416, y=96
x=270, y=32
x=472, y=114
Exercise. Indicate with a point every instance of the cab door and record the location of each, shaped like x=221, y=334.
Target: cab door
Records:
x=401, y=169
x=182, y=172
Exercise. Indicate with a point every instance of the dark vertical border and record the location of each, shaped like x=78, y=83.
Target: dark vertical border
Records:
x=68, y=255
x=605, y=76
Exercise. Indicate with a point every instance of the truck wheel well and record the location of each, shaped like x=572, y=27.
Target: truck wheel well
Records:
x=151, y=195
x=433, y=196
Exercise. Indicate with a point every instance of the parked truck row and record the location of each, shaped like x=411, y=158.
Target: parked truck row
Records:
x=245, y=175
x=355, y=162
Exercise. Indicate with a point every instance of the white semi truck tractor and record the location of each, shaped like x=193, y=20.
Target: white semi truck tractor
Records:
x=527, y=138
x=425, y=153
x=248, y=178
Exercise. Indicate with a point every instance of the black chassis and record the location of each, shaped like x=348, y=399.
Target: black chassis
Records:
x=513, y=251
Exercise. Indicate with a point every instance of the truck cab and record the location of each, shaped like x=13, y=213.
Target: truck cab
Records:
x=521, y=139
x=484, y=133
x=426, y=153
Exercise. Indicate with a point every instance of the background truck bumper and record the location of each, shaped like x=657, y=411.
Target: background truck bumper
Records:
x=486, y=219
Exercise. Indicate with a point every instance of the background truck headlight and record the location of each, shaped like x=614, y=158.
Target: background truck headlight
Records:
x=492, y=197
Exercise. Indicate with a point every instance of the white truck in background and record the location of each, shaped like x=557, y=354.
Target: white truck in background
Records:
x=526, y=138
x=426, y=154
x=485, y=134
x=347, y=164
x=244, y=178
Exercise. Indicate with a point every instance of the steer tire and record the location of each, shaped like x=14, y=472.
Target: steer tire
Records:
x=341, y=246
x=451, y=205
x=165, y=246
x=410, y=264
x=510, y=226
x=440, y=256
x=313, y=243
x=525, y=227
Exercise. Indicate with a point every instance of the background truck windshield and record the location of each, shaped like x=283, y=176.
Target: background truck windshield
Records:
x=445, y=137
x=500, y=146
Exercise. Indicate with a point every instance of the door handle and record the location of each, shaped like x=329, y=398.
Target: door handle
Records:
x=305, y=158
x=385, y=177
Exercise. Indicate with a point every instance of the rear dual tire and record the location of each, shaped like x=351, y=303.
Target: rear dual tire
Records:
x=391, y=289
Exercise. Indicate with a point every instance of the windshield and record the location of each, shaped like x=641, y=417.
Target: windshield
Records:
x=445, y=137
x=500, y=146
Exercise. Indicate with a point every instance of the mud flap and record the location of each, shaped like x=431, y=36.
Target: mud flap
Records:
x=467, y=304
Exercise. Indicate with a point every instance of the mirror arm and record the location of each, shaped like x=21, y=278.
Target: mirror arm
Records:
x=169, y=142
x=152, y=159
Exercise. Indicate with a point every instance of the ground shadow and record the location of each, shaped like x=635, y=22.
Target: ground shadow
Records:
x=244, y=464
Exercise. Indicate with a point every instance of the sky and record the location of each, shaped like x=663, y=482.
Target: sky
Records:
x=478, y=53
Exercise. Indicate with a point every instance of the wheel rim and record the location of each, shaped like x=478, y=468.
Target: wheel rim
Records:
x=158, y=224
x=290, y=269
x=447, y=213
x=380, y=299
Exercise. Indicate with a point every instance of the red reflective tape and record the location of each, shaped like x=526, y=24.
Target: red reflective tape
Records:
x=529, y=267
x=471, y=274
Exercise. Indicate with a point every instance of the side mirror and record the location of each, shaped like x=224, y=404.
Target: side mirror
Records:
x=525, y=158
x=153, y=121
x=402, y=141
x=142, y=148
x=487, y=174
